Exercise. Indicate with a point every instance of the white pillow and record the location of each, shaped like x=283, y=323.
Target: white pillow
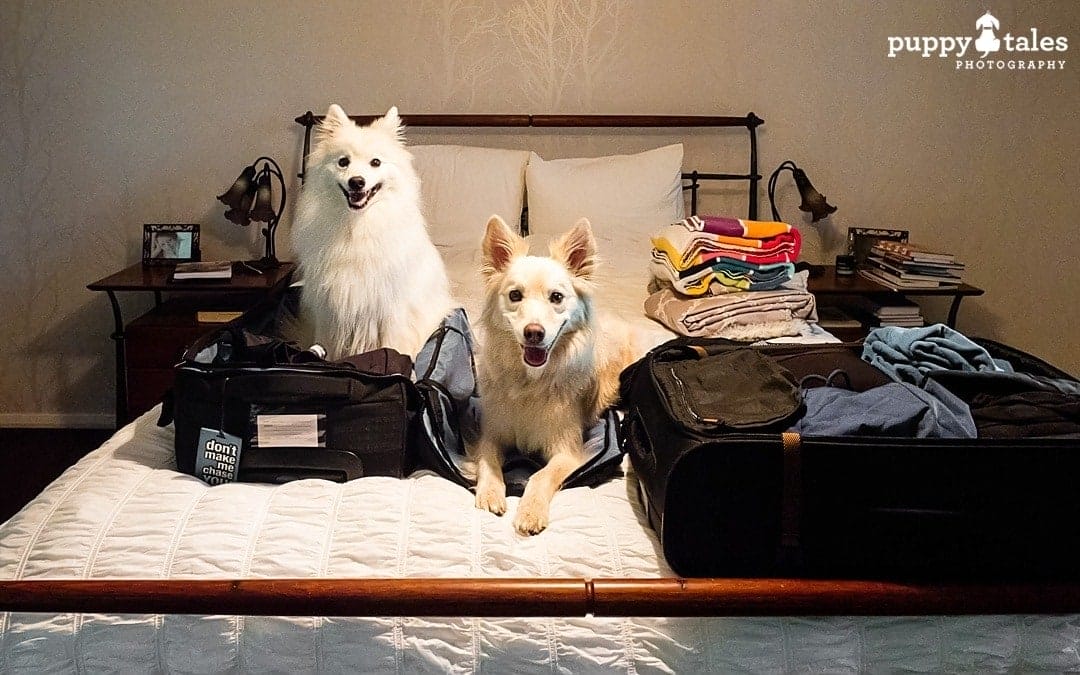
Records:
x=462, y=186
x=625, y=197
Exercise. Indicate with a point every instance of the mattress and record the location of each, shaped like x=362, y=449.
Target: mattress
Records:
x=123, y=511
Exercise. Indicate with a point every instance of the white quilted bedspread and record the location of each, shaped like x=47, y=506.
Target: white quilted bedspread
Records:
x=123, y=511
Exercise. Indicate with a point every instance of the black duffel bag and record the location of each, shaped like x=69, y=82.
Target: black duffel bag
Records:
x=255, y=408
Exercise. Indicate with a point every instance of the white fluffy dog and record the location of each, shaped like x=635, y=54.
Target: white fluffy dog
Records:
x=548, y=365
x=372, y=277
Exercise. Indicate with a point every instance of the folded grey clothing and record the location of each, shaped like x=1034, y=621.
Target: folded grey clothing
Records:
x=748, y=315
x=894, y=409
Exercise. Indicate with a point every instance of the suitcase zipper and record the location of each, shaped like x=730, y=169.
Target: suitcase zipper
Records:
x=686, y=402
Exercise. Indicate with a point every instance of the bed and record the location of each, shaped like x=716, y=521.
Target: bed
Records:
x=124, y=564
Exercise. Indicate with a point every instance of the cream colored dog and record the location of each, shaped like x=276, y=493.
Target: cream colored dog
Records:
x=548, y=365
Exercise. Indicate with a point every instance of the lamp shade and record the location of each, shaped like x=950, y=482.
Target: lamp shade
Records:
x=263, y=211
x=239, y=213
x=813, y=202
x=234, y=196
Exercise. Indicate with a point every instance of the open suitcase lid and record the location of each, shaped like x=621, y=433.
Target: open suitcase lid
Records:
x=446, y=374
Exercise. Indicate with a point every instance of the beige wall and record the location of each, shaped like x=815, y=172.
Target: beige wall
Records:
x=120, y=113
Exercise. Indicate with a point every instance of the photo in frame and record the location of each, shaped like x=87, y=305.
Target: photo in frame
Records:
x=168, y=244
x=862, y=239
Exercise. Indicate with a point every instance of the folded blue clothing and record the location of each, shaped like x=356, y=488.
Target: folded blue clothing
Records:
x=907, y=354
x=735, y=265
x=894, y=409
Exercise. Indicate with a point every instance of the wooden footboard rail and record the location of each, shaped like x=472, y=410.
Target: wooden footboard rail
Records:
x=506, y=597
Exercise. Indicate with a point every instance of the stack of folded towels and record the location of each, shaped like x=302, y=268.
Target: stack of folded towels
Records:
x=713, y=254
x=725, y=277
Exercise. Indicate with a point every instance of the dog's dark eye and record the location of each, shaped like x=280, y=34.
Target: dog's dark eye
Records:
x=376, y=162
x=343, y=162
x=555, y=297
x=515, y=295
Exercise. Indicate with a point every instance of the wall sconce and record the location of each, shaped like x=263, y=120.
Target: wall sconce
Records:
x=251, y=198
x=813, y=202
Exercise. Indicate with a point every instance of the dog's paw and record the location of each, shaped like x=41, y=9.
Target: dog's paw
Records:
x=491, y=498
x=531, y=518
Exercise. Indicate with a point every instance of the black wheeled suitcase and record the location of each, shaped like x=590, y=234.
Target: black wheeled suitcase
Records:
x=731, y=490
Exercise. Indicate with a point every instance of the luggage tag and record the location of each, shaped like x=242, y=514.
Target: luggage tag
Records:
x=217, y=456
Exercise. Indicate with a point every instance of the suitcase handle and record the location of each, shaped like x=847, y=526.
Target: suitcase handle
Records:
x=270, y=387
x=285, y=464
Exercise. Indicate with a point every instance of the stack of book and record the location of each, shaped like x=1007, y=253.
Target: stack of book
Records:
x=903, y=266
x=888, y=309
x=899, y=312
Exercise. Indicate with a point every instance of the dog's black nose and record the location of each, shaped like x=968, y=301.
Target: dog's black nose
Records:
x=357, y=183
x=534, y=333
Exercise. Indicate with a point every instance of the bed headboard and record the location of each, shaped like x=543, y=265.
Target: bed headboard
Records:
x=693, y=178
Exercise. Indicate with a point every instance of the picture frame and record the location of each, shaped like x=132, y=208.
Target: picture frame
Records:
x=170, y=243
x=862, y=239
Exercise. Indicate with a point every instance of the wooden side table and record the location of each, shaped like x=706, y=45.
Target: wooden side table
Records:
x=172, y=324
x=829, y=284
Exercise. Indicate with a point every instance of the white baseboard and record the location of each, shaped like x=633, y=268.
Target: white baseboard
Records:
x=57, y=420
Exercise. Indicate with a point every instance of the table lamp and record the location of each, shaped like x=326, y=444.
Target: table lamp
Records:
x=251, y=198
x=813, y=202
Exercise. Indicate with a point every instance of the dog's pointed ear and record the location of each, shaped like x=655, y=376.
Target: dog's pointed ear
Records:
x=391, y=123
x=335, y=114
x=577, y=249
x=334, y=120
x=499, y=246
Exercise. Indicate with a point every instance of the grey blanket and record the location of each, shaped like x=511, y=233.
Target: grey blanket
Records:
x=746, y=315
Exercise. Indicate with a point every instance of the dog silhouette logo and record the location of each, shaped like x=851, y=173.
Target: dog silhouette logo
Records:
x=987, y=42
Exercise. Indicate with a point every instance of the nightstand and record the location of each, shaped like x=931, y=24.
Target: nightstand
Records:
x=150, y=345
x=829, y=287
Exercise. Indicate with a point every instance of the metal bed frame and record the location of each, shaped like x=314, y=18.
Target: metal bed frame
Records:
x=750, y=122
x=523, y=597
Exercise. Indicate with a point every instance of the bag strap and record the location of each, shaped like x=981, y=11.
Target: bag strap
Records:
x=789, y=552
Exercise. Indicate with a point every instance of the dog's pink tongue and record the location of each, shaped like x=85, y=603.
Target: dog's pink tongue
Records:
x=535, y=356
